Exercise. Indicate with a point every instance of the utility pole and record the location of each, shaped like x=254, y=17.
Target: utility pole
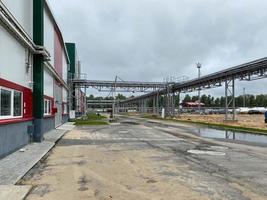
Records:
x=199, y=100
x=244, y=97
x=114, y=98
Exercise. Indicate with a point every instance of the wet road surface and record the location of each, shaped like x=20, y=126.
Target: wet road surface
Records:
x=136, y=159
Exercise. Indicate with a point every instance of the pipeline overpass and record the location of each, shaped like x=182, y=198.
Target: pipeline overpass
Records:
x=121, y=86
x=245, y=72
x=100, y=102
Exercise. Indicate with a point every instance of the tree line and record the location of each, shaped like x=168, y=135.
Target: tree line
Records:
x=248, y=100
x=117, y=97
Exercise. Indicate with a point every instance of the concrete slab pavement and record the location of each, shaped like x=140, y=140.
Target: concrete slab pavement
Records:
x=13, y=192
x=14, y=166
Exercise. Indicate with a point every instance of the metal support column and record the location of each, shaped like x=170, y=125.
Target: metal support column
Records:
x=173, y=104
x=230, y=99
x=167, y=102
x=38, y=71
x=154, y=105
x=145, y=105
x=85, y=100
x=157, y=103
x=179, y=110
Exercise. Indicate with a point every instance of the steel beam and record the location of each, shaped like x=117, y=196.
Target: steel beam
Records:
x=230, y=99
x=157, y=103
x=248, y=71
x=154, y=105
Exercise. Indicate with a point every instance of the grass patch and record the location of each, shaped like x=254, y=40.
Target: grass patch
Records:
x=91, y=119
x=214, y=125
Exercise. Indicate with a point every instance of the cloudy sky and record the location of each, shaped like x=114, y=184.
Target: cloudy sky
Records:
x=147, y=40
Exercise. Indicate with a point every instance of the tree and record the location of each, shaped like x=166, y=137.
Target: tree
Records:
x=260, y=100
x=204, y=99
x=239, y=101
x=194, y=98
x=120, y=97
x=187, y=98
x=222, y=102
x=217, y=102
x=91, y=97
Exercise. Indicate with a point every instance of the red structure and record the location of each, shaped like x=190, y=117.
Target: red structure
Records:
x=192, y=104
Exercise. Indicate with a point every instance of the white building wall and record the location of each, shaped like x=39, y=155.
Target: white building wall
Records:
x=48, y=84
x=49, y=35
x=22, y=10
x=64, y=66
x=64, y=95
x=13, y=57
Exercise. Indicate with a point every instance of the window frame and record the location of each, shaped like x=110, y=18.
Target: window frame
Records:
x=12, y=104
x=21, y=104
x=48, y=109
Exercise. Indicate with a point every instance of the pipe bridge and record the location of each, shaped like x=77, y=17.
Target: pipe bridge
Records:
x=121, y=86
x=250, y=71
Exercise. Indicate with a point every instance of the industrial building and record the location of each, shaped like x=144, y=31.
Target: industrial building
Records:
x=34, y=71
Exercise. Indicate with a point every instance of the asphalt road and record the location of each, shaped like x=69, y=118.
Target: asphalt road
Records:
x=140, y=160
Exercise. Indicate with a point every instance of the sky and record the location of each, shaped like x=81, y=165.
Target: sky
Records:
x=148, y=40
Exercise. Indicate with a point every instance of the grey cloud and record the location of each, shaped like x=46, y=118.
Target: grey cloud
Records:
x=150, y=39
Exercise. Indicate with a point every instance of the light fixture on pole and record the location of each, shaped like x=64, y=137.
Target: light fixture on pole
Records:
x=199, y=101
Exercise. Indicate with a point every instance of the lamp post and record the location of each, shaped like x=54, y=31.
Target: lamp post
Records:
x=199, y=101
x=244, y=97
x=114, y=98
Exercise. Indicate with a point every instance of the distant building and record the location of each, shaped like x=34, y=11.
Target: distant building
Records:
x=77, y=97
x=192, y=104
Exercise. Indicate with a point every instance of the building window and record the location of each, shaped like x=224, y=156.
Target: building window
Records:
x=10, y=103
x=47, y=107
x=17, y=104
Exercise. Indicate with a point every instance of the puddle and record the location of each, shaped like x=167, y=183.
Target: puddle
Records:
x=204, y=152
x=230, y=135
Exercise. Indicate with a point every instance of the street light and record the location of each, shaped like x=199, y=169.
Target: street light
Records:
x=199, y=67
x=244, y=97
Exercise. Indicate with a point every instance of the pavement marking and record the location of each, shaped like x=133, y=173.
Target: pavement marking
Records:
x=123, y=131
x=204, y=152
x=114, y=124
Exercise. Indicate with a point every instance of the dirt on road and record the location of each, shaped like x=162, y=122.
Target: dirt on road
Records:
x=78, y=171
x=139, y=160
